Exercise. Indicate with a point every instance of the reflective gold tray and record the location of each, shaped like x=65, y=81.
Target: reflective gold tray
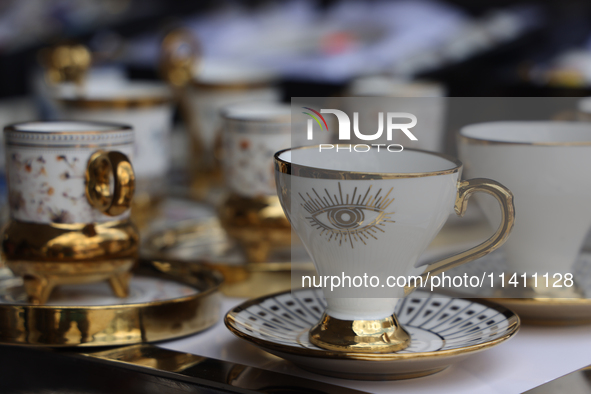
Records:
x=203, y=241
x=161, y=305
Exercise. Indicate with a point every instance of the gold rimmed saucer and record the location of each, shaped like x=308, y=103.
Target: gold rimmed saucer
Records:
x=555, y=310
x=160, y=306
x=549, y=311
x=443, y=330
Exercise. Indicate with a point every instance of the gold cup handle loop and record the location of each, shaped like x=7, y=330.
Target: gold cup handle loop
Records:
x=180, y=52
x=110, y=182
x=465, y=190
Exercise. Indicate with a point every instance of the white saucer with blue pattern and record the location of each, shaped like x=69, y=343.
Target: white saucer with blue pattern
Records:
x=443, y=330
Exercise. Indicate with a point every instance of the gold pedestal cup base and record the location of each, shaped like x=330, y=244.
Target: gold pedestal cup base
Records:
x=46, y=255
x=40, y=278
x=361, y=336
x=258, y=224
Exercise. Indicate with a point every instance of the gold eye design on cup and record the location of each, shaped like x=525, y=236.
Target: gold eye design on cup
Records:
x=348, y=217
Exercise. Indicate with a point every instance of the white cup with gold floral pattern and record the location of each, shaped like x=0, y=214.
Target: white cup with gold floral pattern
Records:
x=70, y=187
x=216, y=85
x=252, y=132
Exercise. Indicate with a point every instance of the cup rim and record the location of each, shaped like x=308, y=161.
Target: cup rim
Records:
x=322, y=173
x=113, y=127
x=405, y=86
x=282, y=112
x=120, y=100
x=257, y=79
x=489, y=141
x=232, y=86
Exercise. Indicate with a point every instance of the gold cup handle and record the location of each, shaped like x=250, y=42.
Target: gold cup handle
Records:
x=465, y=190
x=179, y=55
x=103, y=170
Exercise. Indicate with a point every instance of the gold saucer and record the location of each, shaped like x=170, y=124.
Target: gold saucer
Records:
x=160, y=306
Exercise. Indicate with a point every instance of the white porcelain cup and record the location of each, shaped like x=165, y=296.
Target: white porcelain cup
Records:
x=217, y=85
x=69, y=172
x=252, y=133
x=374, y=213
x=423, y=99
x=146, y=106
x=546, y=165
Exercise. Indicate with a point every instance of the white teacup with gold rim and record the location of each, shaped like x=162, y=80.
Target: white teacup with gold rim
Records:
x=70, y=187
x=208, y=85
x=546, y=165
x=217, y=85
x=424, y=99
x=374, y=213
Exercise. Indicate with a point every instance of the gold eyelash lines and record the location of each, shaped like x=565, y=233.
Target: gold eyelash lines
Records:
x=313, y=205
x=347, y=214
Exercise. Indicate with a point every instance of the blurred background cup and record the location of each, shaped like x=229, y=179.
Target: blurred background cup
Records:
x=68, y=63
x=430, y=111
x=44, y=91
x=216, y=85
x=145, y=105
x=546, y=166
x=252, y=133
x=70, y=189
